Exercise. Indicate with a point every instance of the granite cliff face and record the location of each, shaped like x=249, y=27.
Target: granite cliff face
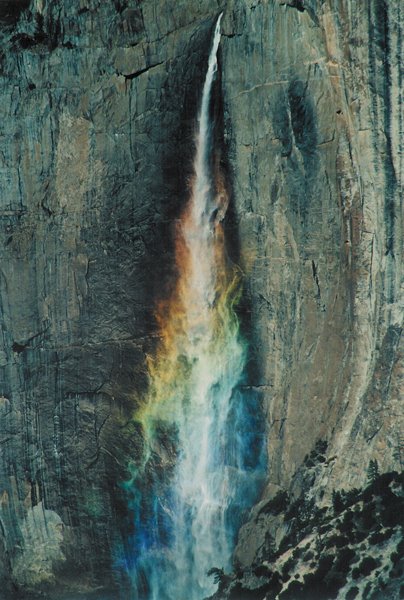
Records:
x=313, y=115
x=98, y=103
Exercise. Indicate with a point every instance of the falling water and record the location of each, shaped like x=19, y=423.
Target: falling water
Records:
x=202, y=455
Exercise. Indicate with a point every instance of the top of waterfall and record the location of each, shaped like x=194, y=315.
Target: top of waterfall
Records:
x=217, y=35
x=203, y=183
x=213, y=52
x=212, y=68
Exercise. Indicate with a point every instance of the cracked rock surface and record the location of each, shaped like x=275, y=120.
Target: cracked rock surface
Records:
x=314, y=115
x=98, y=104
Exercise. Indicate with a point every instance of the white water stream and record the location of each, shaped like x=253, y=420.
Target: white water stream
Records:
x=213, y=423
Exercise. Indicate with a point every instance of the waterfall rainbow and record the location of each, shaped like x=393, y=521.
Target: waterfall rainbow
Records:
x=202, y=442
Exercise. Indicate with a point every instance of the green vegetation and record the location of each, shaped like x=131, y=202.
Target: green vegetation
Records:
x=316, y=456
x=337, y=540
x=367, y=565
x=288, y=566
x=380, y=536
x=217, y=574
x=337, y=502
x=276, y=505
x=301, y=516
x=267, y=551
x=338, y=547
x=342, y=499
x=345, y=557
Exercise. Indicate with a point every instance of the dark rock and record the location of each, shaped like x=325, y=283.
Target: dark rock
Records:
x=98, y=103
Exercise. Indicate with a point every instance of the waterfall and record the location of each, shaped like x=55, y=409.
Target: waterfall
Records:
x=203, y=438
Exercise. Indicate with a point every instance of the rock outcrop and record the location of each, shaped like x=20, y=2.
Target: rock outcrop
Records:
x=98, y=104
x=313, y=113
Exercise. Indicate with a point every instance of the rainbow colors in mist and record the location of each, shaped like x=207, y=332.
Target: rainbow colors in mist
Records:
x=202, y=455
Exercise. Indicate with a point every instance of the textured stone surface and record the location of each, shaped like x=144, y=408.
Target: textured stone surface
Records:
x=313, y=117
x=98, y=101
x=97, y=110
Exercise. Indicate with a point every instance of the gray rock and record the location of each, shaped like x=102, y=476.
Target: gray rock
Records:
x=98, y=102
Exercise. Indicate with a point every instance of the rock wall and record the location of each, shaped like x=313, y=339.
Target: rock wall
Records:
x=98, y=101
x=314, y=113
